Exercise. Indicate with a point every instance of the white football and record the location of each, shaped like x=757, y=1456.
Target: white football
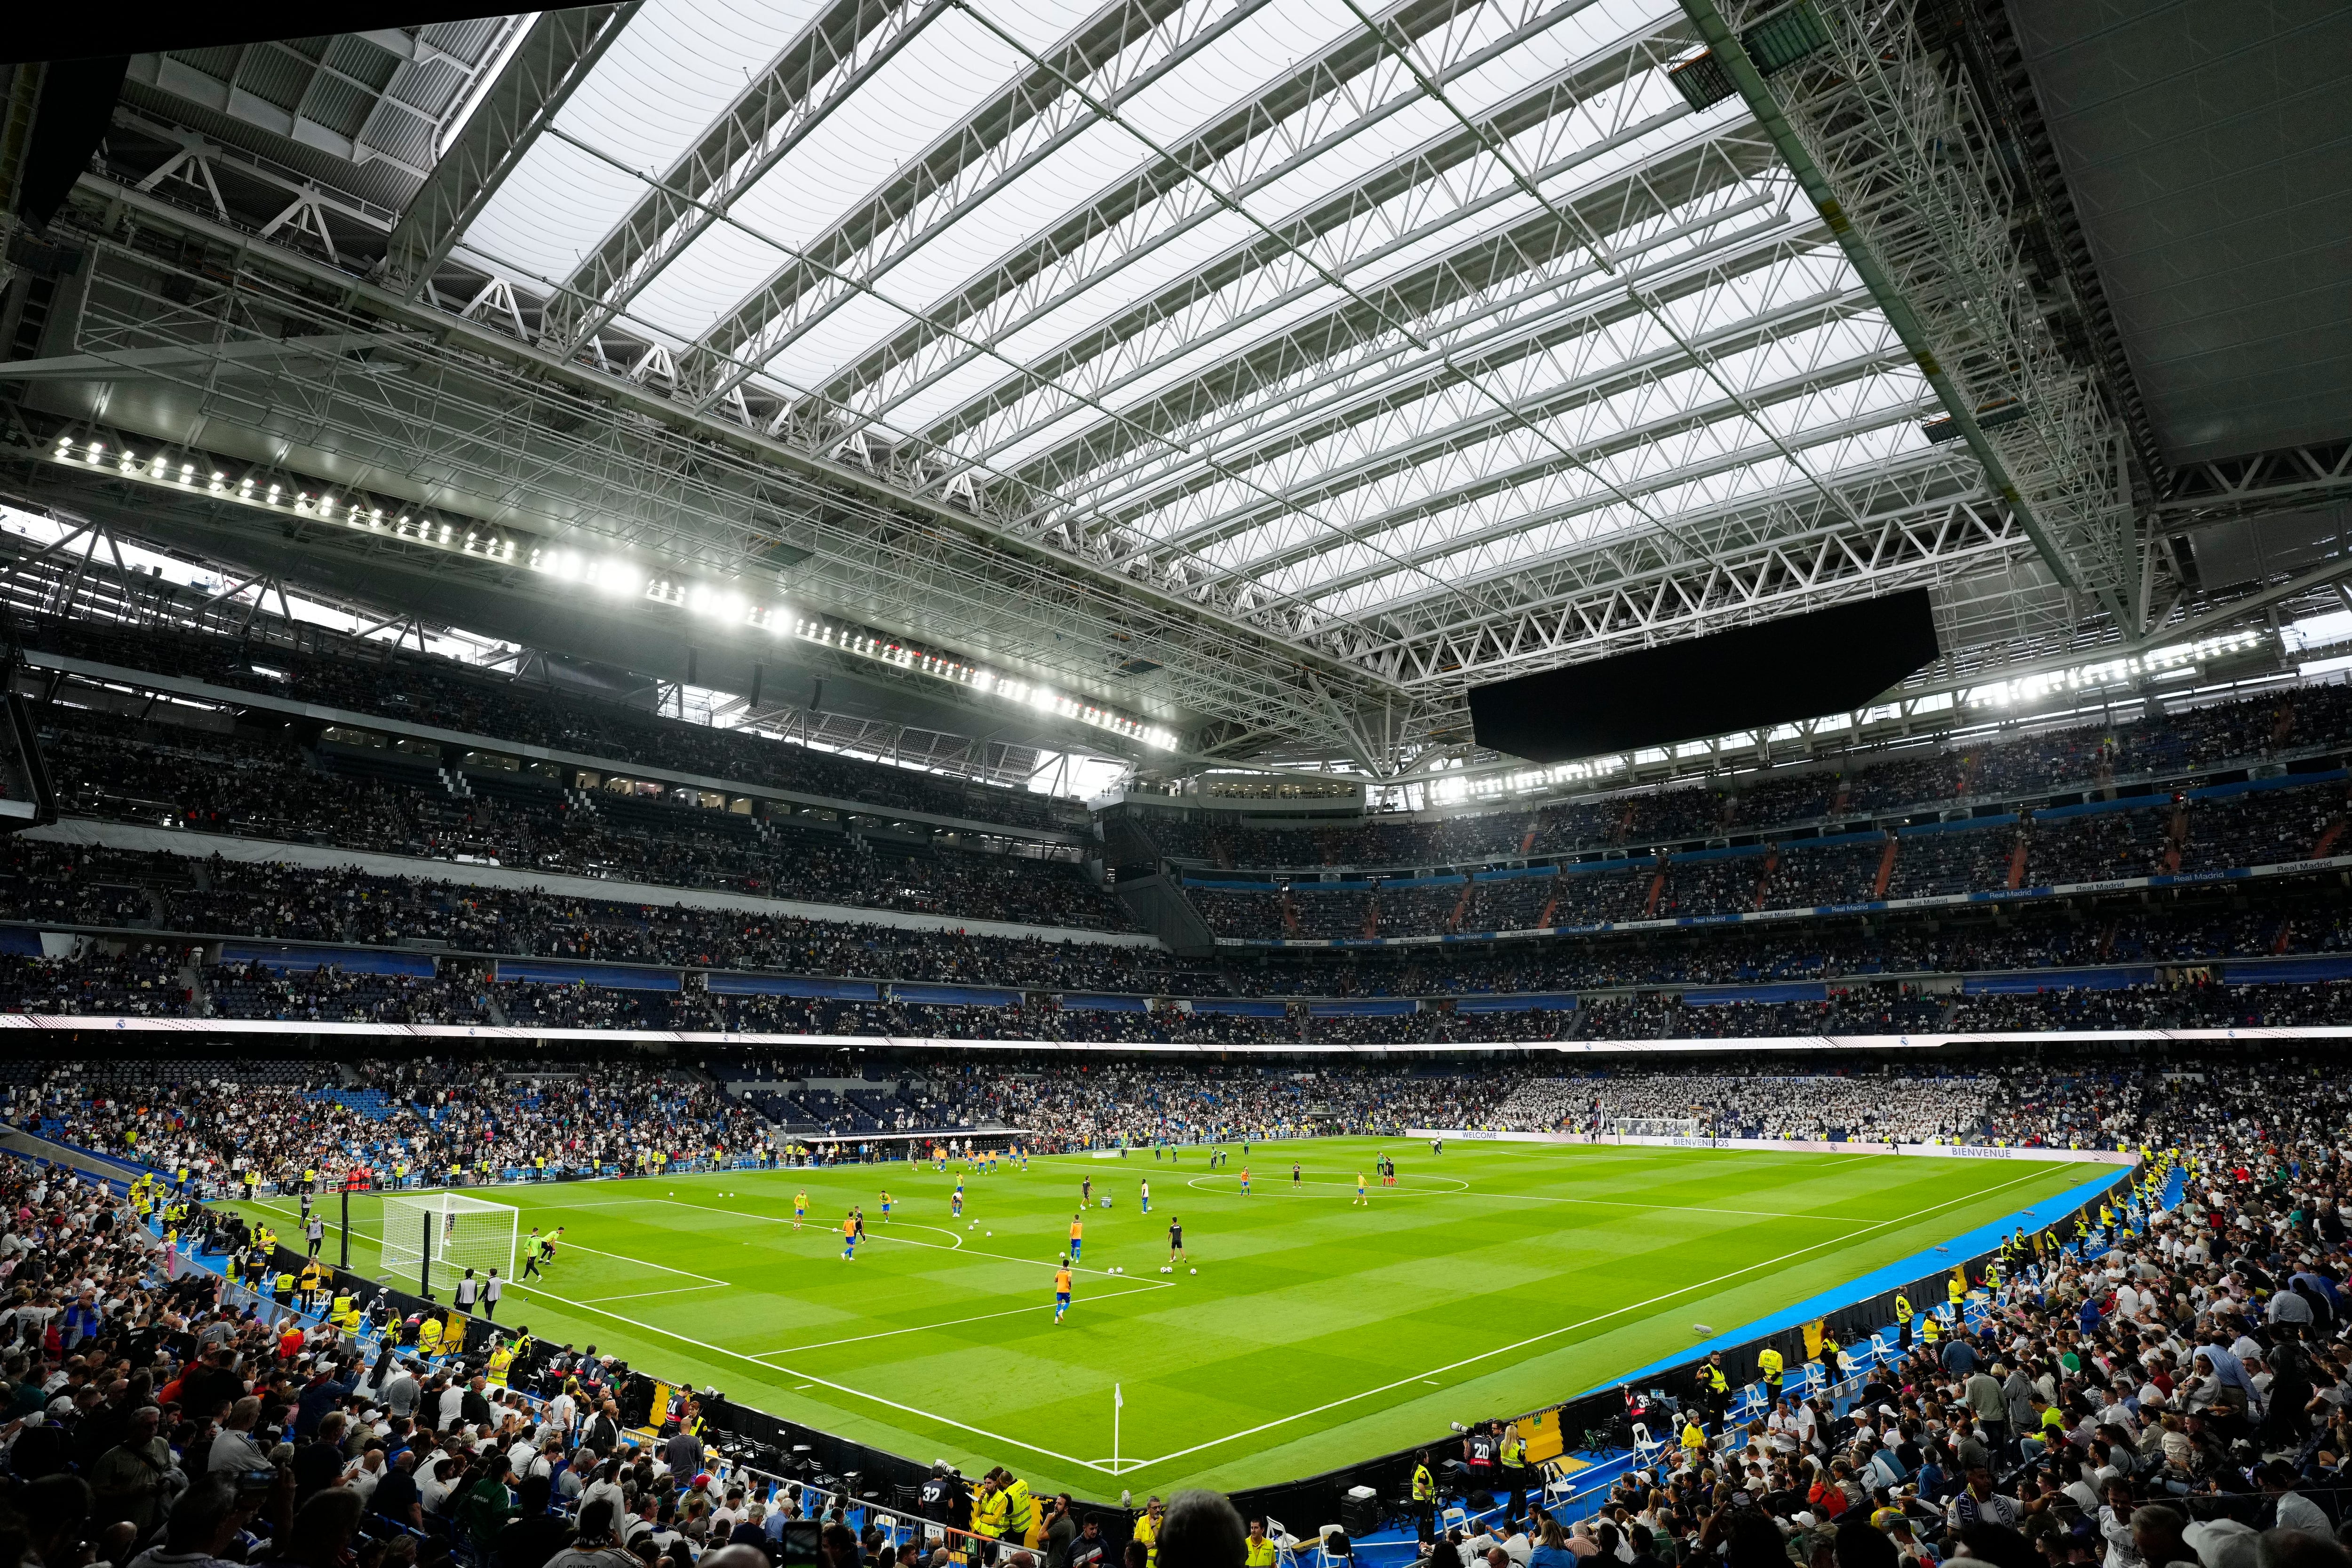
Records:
x=988, y=1233
x=1196, y=1271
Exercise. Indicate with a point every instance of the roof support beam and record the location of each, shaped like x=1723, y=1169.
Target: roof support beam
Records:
x=1849, y=221
x=538, y=79
x=829, y=61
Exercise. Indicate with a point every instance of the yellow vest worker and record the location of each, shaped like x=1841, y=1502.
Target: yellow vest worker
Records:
x=1903, y=1309
x=1715, y=1380
x=1928, y=1331
x=428, y=1337
x=1769, y=1364
x=1424, y=1485
x=345, y=1312
x=988, y=1515
x=1514, y=1453
x=1019, y=1510
x=1147, y=1531
x=1258, y=1552
x=500, y=1360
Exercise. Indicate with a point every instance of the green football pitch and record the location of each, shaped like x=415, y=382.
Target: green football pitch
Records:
x=1494, y=1278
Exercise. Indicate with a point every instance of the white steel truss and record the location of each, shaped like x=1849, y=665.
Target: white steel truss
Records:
x=1325, y=361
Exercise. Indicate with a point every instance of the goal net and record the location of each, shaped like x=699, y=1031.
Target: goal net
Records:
x=1653, y=1127
x=434, y=1237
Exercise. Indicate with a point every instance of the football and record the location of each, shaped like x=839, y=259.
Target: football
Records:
x=1196, y=1271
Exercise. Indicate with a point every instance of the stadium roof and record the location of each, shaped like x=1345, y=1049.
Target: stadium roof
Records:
x=1262, y=372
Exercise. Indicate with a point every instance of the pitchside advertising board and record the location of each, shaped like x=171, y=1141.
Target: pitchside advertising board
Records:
x=1785, y=1145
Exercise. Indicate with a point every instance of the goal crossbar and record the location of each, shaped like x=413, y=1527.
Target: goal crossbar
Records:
x=434, y=1239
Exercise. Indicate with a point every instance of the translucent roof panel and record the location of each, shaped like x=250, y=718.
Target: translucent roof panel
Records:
x=1230, y=284
x=676, y=68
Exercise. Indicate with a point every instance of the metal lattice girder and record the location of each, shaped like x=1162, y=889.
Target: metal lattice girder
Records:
x=469, y=413
x=2225, y=489
x=1603, y=393
x=1559, y=304
x=1530, y=509
x=1316, y=392
x=1343, y=93
x=1926, y=521
x=830, y=60
x=1122, y=50
x=1577, y=119
x=551, y=59
x=1890, y=122
x=1394, y=311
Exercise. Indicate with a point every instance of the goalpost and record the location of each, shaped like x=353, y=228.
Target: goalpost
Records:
x=1653, y=1127
x=432, y=1238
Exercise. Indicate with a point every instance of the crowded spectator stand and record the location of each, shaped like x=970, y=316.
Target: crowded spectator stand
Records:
x=2177, y=1351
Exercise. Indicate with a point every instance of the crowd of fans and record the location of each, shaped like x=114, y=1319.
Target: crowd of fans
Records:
x=2159, y=837
x=2028, y=768
x=228, y=1122
x=1885, y=975
x=110, y=767
x=367, y=678
x=1887, y=1106
x=161, y=1419
x=2171, y=1385
x=2168, y=1391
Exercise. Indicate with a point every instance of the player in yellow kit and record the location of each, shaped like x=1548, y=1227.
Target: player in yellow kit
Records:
x=1078, y=1234
x=1061, y=1291
x=1360, y=1196
x=800, y=1207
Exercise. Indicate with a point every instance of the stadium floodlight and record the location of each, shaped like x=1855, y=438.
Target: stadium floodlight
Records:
x=434, y=1237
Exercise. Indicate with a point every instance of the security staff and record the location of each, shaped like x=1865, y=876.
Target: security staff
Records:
x=1424, y=1495
x=1768, y=1366
x=1716, y=1389
x=1022, y=1518
x=1147, y=1531
x=1513, y=1455
x=1904, y=1313
x=988, y=1518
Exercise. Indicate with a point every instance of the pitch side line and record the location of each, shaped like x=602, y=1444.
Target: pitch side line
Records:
x=1569, y=1328
x=816, y=1382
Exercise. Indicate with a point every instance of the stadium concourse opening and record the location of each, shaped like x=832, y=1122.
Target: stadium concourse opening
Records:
x=1176, y=784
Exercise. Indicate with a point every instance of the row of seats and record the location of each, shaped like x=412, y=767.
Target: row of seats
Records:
x=111, y=767
x=366, y=677
x=2026, y=767
x=2160, y=837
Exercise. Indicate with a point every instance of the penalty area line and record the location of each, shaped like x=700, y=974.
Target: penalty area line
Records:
x=640, y=1295
x=1140, y=1288
x=815, y=1380
x=1569, y=1328
x=872, y=1235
